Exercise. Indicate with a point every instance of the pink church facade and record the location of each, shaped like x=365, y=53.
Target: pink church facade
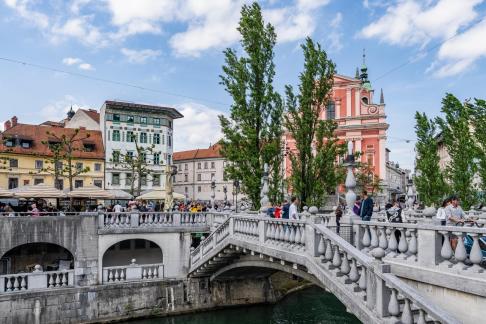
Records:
x=360, y=120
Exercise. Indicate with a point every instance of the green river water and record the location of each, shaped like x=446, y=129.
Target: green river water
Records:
x=312, y=305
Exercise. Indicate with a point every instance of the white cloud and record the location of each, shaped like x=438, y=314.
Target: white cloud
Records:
x=413, y=22
x=79, y=28
x=335, y=35
x=140, y=56
x=86, y=67
x=198, y=129
x=56, y=110
x=70, y=61
x=21, y=7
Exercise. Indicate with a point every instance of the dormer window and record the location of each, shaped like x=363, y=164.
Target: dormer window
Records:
x=365, y=100
x=26, y=145
x=89, y=147
x=9, y=143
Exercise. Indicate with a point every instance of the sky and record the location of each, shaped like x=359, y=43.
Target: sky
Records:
x=171, y=51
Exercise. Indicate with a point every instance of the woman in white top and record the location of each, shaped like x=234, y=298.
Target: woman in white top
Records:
x=441, y=212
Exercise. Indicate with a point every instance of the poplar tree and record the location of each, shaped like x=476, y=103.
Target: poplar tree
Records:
x=252, y=133
x=456, y=131
x=314, y=161
x=429, y=179
x=479, y=133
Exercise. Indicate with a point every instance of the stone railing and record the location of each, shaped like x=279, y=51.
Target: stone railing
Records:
x=378, y=293
x=426, y=244
x=36, y=280
x=153, y=219
x=133, y=272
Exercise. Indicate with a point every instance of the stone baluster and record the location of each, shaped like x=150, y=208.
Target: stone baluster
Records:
x=392, y=242
x=460, y=253
x=345, y=267
x=328, y=255
x=58, y=279
x=353, y=272
x=476, y=255
x=403, y=245
x=302, y=235
x=422, y=317
x=321, y=248
x=65, y=279
x=393, y=305
x=446, y=250
x=23, y=283
x=336, y=259
x=374, y=238
x=51, y=281
x=366, y=241
x=382, y=241
x=407, y=317
x=412, y=247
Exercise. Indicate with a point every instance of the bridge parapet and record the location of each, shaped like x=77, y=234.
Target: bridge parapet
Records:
x=362, y=282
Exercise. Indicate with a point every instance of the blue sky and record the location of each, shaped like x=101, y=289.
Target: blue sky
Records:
x=176, y=47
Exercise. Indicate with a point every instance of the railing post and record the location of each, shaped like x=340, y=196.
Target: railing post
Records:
x=133, y=272
x=382, y=291
x=210, y=219
x=261, y=231
x=176, y=219
x=311, y=243
x=101, y=220
x=429, y=246
x=231, y=226
x=37, y=280
x=134, y=219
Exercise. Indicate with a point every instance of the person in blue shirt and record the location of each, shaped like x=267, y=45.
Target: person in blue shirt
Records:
x=285, y=209
x=366, y=210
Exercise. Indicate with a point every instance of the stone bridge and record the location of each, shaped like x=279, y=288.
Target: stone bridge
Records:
x=416, y=278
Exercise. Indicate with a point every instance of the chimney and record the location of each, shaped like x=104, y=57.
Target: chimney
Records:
x=7, y=125
x=14, y=121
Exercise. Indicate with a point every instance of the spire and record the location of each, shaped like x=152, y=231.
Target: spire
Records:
x=70, y=113
x=356, y=76
x=364, y=73
x=382, y=98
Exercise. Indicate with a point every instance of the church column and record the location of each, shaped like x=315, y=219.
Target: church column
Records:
x=357, y=105
x=357, y=145
x=338, y=109
x=348, y=102
x=382, y=145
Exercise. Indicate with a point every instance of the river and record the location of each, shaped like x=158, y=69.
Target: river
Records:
x=309, y=306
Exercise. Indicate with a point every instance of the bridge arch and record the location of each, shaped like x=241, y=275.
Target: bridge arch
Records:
x=261, y=264
x=24, y=257
x=142, y=250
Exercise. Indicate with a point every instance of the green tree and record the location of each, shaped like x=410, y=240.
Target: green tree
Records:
x=429, y=179
x=252, y=132
x=138, y=163
x=64, y=147
x=479, y=133
x=457, y=135
x=314, y=159
x=366, y=179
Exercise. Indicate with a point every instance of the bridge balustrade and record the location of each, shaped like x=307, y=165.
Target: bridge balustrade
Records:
x=36, y=280
x=426, y=244
x=364, y=280
x=133, y=272
x=153, y=219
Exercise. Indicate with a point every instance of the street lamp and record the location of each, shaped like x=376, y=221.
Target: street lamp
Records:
x=225, y=190
x=285, y=153
x=213, y=194
x=236, y=185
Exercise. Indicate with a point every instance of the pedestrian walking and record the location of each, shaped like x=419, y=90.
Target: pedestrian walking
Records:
x=366, y=210
x=294, y=208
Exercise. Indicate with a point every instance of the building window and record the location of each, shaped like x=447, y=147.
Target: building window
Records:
x=185, y=166
x=115, y=179
x=331, y=111
x=116, y=136
x=143, y=120
x=213, y=165
x=169, y=159
x=143, y=137
x=38, y=181
x=130, y=137
x=39, y=164
x=156, y=158
x=9, y=143
x=186, y=189
x=143, y=180
x=130, y=119
x=25, y=144
x=116, y=118
x=199, y=165
x=128, y=179
x=98, y=183
x=199, y=177
x=143, y=156
x=156, y=138
x=157, y=121
x=26, y=182
x=199, y=189
x=365, y=100
x=13, y=183
x=89, y=147
x=213, y=176
x=59, y=184
x=156, y=180
x=14, y=163
x=163, y=139
x=185, y=177
x=79, y=166
x=169, y=141
x=97, y=167
x=78, y=183
x=205, y=165
x=369, y=158
x=115, y=156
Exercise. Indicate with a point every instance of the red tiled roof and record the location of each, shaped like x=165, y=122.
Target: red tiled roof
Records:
x=53, y=123
x=211, y=152
x=93, y=114
x=38, y=134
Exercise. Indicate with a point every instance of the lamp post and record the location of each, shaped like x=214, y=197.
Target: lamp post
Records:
x=213, y=193
x=236, y=185
x=225, y=191
x=285, y=152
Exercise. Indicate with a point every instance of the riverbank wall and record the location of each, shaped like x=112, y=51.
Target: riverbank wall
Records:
x=129, y=300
